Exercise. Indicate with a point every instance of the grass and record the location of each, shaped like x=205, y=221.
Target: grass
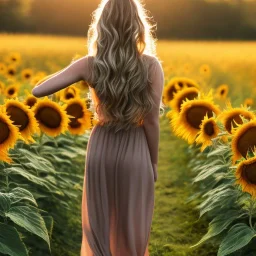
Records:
x=175, y=224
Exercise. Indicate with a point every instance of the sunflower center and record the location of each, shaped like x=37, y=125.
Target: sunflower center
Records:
x=11, y=72
x=69, y=95
x=189, y=96
x=75, y=110
x=49, y=117
x=222, y=91
x=249, y=172
x=180, y=84
x=247, y=141
x=31, y=102
x=196, y=114
x=27, y=75
x=231, y=121
x=11, y=91
x=18, y=116
x=190, y=85
x=171, y=91
x=4, y=131
x=209, y=128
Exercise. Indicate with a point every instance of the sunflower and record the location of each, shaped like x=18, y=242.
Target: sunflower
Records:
x=26, y=74
x=3, y=68
x=80, y=120
x=4, y=157
x=246, y=175
x=35, y=79
x=9, y=133
x=187, y=93
x=176, y=84
x=186, y=124
x=205, y=70
x=13, y=57
x=23, y=117
x=248, y=102
x=69, y=93
x=232, y=117
x=11, y=71
x=244, y=140
x=52, y=118
x=30, y=100
x=222, y=91
x=208, y=130
x=11, y=91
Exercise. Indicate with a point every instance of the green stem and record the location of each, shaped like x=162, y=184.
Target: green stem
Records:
x=251, y=212
x=7, y=183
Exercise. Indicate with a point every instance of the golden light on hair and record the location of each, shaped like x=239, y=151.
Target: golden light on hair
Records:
x=208, y=131
x=52, y=118
x=232, y=117
x=22, y=117
x=187, y=123
x=244, y=140
x=246, y=176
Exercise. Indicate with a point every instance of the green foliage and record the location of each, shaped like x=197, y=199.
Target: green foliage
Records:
x=221, y=200
x=45, y=175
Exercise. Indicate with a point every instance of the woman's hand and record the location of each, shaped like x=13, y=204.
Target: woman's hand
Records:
x=155, y=172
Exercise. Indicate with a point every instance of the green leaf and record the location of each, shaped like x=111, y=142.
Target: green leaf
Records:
x=37, y=180
x=29, y=218
x=218, y=224
x=10, y=241
x=5, y=202
x=207, y=172
x=217, y=200
x=18, y=194
x=49, y=224
x=238, y=236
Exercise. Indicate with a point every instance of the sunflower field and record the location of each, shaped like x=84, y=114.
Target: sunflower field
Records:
x=218, y=124
x=209, y=96
x=42, y=146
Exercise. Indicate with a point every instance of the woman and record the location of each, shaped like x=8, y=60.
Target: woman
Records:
x=126, y=83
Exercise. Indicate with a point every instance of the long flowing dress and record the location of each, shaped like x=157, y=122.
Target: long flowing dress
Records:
x=118, y=189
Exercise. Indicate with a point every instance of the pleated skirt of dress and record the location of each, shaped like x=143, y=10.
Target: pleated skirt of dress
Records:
x=118, y=194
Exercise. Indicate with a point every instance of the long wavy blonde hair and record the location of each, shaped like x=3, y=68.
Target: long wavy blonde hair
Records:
x=119, y=34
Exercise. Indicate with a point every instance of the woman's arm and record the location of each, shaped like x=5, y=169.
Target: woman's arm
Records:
x=73, y=73
x=151, y=121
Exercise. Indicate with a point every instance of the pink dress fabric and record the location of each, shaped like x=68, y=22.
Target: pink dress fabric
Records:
x=118, y=191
